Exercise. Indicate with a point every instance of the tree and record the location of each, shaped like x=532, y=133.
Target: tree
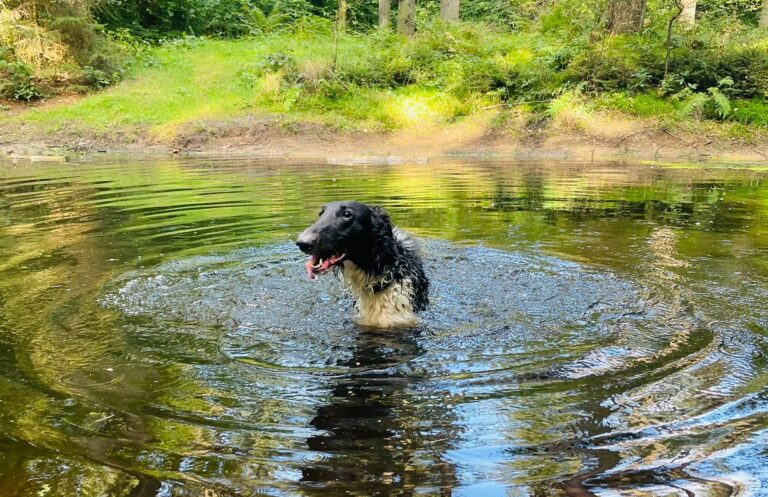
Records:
x=688, y=13
x=449, y=10
x=764, y=15
x=670, y=25
x=625, y=16
x=384, y=6
x=342, y=19
x=406, y=17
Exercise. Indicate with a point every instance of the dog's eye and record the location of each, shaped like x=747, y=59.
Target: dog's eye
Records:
x=347, y=214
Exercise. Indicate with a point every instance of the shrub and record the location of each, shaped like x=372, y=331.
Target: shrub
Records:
x=747, y=66
x=161, y=19
x=16, y=81
x=54, y=46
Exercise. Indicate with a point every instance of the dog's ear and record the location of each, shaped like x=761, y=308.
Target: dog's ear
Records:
x=380, y=221
x=383, y=236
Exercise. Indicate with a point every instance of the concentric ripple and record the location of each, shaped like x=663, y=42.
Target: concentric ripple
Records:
x=505, y=363
x=595, y=329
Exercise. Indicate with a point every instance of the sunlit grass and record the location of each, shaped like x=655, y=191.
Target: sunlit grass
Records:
x=181, y=85
x=367, y=82
x=190, y=84
x=422, y=108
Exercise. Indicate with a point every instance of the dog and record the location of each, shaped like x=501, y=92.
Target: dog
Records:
x=379, y=264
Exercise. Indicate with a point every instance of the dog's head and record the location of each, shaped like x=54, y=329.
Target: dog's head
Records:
x=346, y=230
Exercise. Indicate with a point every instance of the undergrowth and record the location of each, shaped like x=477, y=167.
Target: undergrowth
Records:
x=448, y=72
x=380, y=80
x=50, y=47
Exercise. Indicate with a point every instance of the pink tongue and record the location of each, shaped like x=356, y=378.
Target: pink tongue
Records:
x=310, y=274
x=309, y=265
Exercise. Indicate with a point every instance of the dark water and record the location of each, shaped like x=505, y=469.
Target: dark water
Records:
x=596, y=329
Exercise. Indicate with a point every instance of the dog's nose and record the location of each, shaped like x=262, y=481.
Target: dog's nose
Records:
x=306, y=242
x=305, y=247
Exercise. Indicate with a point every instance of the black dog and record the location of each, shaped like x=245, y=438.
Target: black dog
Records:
x=379, y=264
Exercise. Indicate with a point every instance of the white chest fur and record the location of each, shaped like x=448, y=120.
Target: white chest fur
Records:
x=389, y=308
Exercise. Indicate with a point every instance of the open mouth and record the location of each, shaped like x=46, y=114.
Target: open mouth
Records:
x=318, y=265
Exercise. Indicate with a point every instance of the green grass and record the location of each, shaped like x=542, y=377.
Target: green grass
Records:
x=641, y=105
x=376, y=81
x=214, y=79
x=753, y=111
x=181, y=84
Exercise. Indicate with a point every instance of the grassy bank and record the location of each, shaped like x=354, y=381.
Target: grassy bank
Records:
x=297, y=77
x=467, y=76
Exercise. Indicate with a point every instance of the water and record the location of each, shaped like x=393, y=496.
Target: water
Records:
x=596, y=329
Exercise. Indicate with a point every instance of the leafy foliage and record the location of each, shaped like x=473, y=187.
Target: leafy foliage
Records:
x=505, y=51
x=16, y=81
x=46, y=44
x=712, y=103
x=158, y=19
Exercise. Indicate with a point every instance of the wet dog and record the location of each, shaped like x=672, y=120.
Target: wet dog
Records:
x=379, y=264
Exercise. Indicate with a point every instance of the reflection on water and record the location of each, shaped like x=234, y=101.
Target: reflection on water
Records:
x=369, y=427
x=596, y=329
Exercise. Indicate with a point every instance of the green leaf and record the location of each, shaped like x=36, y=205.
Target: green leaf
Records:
x=694, y=104
x=722, y=104
x=726, y=81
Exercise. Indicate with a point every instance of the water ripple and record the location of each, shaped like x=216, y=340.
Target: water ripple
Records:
x=595, y=330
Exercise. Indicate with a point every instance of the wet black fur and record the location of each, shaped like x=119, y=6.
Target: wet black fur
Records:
x=366, y=235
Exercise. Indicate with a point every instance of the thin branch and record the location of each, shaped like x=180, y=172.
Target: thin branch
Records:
x=759, y=152
x=672, y=20
x=666, y=131
x=515, y=104
x=627, y=137
x=341, y=22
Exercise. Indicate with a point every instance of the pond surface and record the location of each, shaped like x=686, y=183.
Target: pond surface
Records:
x=596, y=329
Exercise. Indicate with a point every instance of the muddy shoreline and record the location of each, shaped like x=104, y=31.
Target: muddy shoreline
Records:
x=270, y=137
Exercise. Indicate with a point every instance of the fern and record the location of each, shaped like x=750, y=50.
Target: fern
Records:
x=726, y=81
x=256, y=18
x=694, y=105
x=721, y=103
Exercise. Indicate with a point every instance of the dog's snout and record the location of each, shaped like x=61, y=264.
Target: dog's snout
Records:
x=305, y=247
x=306, y=241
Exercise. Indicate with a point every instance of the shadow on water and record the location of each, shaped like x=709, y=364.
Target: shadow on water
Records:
x=367, y=437
x=596, y=329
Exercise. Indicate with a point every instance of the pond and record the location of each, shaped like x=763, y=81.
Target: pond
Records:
x=595, y=329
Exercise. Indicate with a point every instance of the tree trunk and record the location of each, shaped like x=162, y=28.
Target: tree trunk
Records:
x=625, y=16
x=449, y=10
x=764, y=15
x=342, y=16
x=688, y=14
x=670, y=25
x=406, y=17
x=384, y=6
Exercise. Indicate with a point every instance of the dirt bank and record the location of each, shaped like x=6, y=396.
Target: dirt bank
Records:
x=609, y=137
